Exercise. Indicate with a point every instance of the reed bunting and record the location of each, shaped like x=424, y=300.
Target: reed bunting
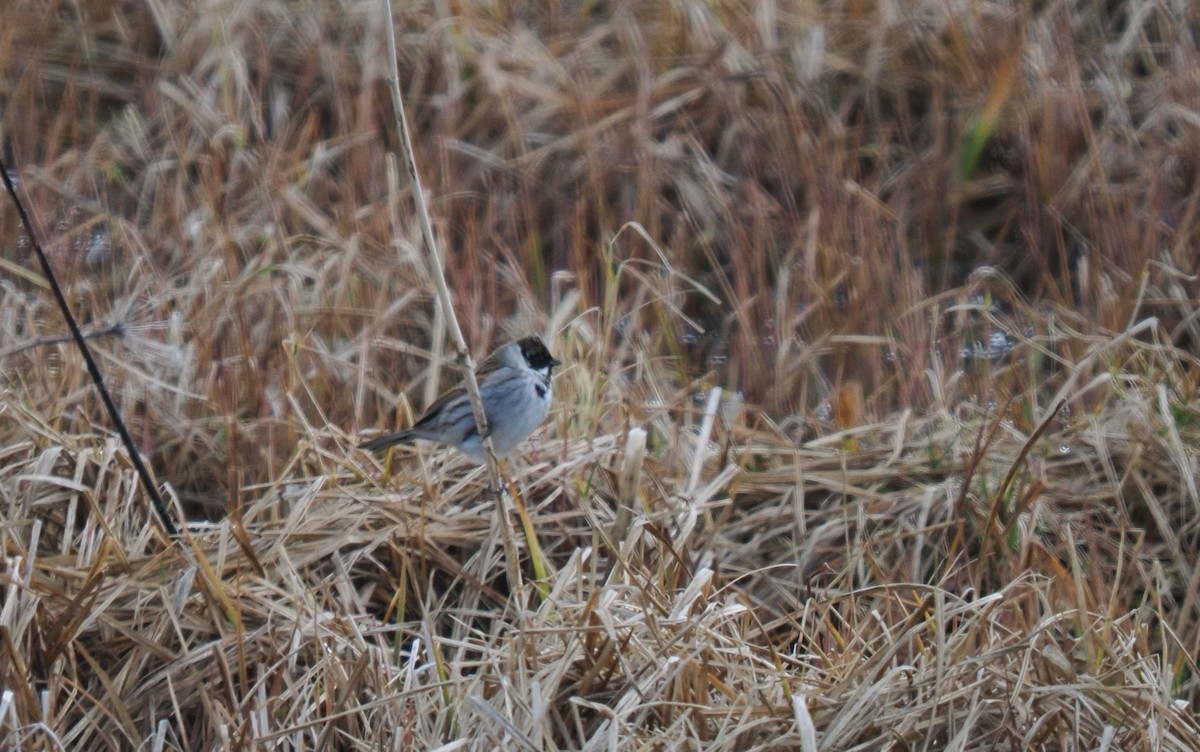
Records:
x=514, y=383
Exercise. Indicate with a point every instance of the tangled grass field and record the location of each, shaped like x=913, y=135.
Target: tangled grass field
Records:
x=878, y=427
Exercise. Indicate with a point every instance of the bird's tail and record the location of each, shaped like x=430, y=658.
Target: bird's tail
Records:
x=392, y=439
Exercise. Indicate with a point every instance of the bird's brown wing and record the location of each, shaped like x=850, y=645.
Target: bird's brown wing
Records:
x=435, y=407
x=489, y=365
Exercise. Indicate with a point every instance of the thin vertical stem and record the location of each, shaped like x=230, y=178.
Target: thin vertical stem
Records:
x=447, y=302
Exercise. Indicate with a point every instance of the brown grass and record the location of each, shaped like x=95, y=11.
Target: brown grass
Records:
x=893, y=237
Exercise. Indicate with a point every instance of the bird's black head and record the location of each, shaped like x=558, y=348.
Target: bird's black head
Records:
x=536, y=355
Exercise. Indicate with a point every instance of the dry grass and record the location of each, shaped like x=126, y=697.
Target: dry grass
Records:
x=937, y=260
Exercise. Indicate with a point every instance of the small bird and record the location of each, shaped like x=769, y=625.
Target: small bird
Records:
x=514, y=382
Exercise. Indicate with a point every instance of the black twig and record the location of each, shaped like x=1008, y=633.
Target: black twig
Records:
x=143, y=473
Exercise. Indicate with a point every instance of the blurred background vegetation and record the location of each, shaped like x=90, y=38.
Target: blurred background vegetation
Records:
x=844, y=179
